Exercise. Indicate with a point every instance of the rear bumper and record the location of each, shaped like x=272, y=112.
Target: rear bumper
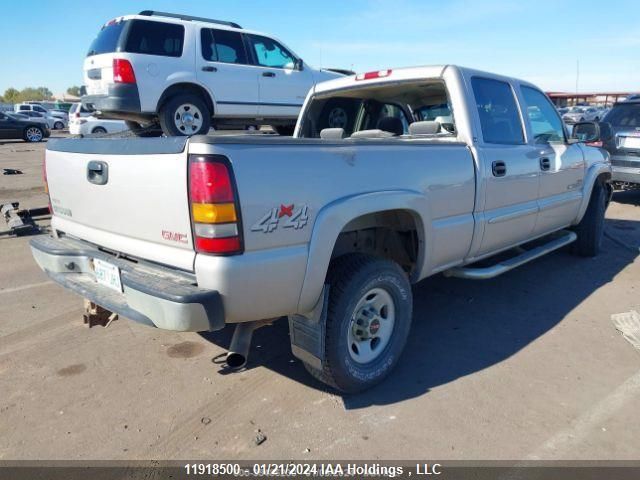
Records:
x=152, y=295
x=122, y=97
x=625, y=174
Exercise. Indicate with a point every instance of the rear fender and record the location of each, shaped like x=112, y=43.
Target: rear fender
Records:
x=332, y=219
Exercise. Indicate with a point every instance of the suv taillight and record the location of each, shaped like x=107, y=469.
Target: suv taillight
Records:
x=215, y=212
x=123, y=71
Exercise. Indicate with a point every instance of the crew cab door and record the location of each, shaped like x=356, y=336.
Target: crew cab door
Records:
x=284, y=82
x=561, y=164
x=509, y=167
x=222, y=65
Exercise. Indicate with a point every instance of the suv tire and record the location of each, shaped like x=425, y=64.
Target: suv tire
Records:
x=368, y=320
x=58, y=125
x=99, y=131
x=186, y=114
x=591, y=228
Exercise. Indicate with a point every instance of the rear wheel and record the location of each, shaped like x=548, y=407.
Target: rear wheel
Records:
x=99, y=130
x=591, y=228
x=33, y=134
x=185, y=115
x=368, y=321
x=58, y=126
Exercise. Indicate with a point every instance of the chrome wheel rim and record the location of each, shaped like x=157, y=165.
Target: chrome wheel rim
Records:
x=337, y=118
x=188, y=119
x=371, y=325
x=34, y=134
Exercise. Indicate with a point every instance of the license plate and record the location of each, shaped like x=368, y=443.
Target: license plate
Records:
x=107, y=275
x=631, y=142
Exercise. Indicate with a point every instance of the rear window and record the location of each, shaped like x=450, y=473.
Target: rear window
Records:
x=107, y=39
x=498, y=111
x=155, y=38
x=624, y=115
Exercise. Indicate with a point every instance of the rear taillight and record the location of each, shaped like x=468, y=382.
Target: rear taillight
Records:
x=214, y=206
x=46, y=183
x=123, y=71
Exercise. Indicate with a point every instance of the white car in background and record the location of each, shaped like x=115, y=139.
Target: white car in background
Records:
x=191, y=73
x=91, y=125
x=582, y=114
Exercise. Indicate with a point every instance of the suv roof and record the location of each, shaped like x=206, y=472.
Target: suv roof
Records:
x=188, y=18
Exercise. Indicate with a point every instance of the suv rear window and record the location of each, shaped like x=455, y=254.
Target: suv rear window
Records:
x=624, y=115
x=155, y=38
x=107, y=39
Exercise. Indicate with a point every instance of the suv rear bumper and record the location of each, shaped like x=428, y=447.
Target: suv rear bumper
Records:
x=625, y=169
x=122, y=97
x=152, y=295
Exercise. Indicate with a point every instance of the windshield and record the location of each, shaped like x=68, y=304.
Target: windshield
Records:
x=107, y=39
x=624, y=115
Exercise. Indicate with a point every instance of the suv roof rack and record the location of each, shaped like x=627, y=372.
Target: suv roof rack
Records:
x=153, y=13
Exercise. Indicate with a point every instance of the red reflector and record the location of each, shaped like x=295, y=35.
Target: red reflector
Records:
x=123, y=71
x=218, y=245
x=595, y=144
x=210, y=183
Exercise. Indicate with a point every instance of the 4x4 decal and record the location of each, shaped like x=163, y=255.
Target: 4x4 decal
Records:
x=286, y=215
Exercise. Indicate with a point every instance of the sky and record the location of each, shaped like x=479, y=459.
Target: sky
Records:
x=43, y=42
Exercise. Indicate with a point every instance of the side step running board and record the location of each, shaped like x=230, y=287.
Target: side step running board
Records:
x=498, y=269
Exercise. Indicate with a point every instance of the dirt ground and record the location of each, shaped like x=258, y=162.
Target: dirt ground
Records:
x=526, y=366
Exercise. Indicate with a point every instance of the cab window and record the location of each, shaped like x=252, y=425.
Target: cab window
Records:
x=222, y=46
x=498, y=111
x=543, y=118
x=269, y=53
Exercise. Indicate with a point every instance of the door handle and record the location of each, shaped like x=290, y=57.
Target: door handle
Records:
x=545, y=164
x=268, y=74
x=499, y=168
x=209, y=69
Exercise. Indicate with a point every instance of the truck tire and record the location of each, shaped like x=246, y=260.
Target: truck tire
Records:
x=591, y=228
x=368, y=321
x=186, y=114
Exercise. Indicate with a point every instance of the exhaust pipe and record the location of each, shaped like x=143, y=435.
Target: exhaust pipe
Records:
x=241, y=342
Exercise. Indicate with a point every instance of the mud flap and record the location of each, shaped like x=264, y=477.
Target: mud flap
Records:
x=307, y=333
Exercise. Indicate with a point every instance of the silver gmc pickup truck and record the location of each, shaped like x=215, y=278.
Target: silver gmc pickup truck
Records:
x=390, y=177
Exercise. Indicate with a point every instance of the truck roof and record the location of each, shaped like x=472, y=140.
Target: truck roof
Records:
x=405, y=73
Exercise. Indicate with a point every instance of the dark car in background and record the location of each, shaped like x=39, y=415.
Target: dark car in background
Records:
x=623, y=142
x=20, y=126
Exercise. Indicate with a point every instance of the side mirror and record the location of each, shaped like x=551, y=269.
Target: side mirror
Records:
x=299, y=64
x=587, y=132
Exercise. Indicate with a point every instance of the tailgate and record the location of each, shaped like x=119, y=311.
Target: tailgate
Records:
x=125, y=194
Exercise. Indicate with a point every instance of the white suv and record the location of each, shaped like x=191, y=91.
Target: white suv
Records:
x=190, y=72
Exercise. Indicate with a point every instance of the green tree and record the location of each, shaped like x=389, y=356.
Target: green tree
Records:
x=11, y=95
x=74, y=90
